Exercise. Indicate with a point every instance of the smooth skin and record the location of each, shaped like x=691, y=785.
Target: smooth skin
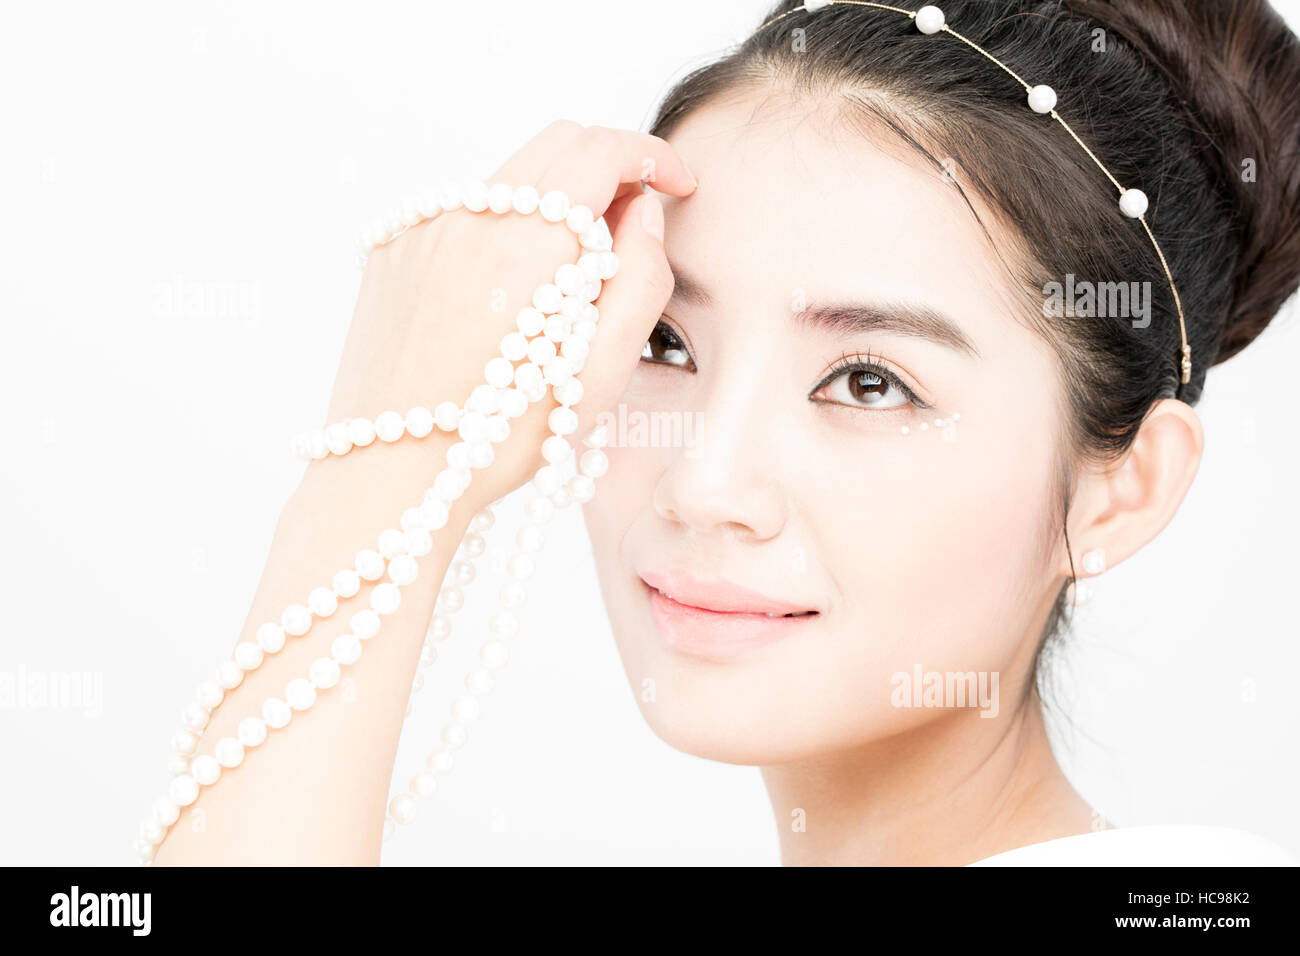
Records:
x=915, y=549
x=428, y=318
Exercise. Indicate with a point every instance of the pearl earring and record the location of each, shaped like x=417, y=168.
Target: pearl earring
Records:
x=1094, y=561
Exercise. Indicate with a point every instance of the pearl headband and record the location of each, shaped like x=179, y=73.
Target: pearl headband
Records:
x=1042, y=99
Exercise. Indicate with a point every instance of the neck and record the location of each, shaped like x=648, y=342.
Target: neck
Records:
x=957, y=789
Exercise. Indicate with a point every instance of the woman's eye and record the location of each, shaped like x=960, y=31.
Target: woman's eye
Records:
x=664, y=347
x=863, y=388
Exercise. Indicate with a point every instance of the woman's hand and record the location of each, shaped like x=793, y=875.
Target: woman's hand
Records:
x=436, y=302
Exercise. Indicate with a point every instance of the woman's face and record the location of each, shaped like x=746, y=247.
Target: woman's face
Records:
x=756, y=467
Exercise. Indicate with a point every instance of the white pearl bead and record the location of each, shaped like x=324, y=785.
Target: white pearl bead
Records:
x=558, y=328
x=513, y=347
x=184, y=743
x=346, y=583
x=324, y=672
x=178, y=766
x=390, y=426
x=581, y=488
x=439, y=628
x=270, y=637
x=457, y=457
x=454, y=736
x=570, y=393
x=558, y=372
x=337, y=440
x=608, y=265
x=300, y=693
x=166, y=811
x=428, y=655
x=554, y=206
x=402, y=808
x=248, y=655
x=547, y=479
x=547, y=298
x=183, y=791
x=426, y=204
x=449, y=197
x=503, y=624
x=436, y=513
x=346, y=649
x=568, y=278
x=392, y=542
x=929, y=19
x=229, y=675
x=451, y=599
x=465, y=710
x=385, y=598
x=498, y=428
x=370, y=564
x=473, y=427
x=447, y=416
x=479, y=681
x=323, y=602
x=251, y=731
x=424, y=783
x=579, y=219
x=530, y=538
x=597, y=238
x=481, y=455
x=556, y=450
x=528, y=376
x=473, y=545
x=316, y=446
x=598, y=437
x=486, y=398
x=206, y=770
x=276, y=713
x=501, y=198
x=475, y=197
x=361, y=432
x=594, y=463
x=365, y=624
x=499, y=372
x=448, y=484
x=494, y=655
x=513, y=403
x=562, y=421
x=419, y=421
x=296, y=620
x=539, y=510
x=1134, y=203
x=210, y=693
x=520, y=567
x=525, y=200
x=1094, y=561
x=229, y=752
x=1042, y=99
x=561, y=497
x=410, y=213
x=151, y=831
x=403, y=569
x=540, y=352
x=585, y=329
x=418, y=542
x=529, y=321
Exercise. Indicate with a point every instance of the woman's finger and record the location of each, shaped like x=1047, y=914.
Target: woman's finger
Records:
x=594, y=165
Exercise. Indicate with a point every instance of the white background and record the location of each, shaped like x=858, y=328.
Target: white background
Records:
x=180, y=189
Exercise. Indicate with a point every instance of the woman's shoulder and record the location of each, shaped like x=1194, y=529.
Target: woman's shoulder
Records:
x=1171, y=844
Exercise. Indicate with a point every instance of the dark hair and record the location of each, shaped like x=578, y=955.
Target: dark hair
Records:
x=1179, y=98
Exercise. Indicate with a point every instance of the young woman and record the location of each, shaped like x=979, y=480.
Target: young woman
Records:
x=911, y=448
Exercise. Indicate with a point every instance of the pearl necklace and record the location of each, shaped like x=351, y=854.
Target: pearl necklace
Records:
x=551, y=343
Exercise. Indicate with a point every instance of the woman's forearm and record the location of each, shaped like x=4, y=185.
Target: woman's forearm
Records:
x=315, y=791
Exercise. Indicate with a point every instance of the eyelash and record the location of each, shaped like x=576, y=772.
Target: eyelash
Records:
x=868, y=362
x=856, y=362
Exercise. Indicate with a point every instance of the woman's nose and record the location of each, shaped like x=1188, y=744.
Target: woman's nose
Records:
x=730, y=477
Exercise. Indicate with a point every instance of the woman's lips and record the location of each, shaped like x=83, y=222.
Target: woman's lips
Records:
x=723, y=635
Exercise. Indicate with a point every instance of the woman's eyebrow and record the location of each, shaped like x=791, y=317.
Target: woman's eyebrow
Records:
x=902, y=318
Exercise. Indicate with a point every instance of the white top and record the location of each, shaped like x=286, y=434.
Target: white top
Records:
x=1171, y=844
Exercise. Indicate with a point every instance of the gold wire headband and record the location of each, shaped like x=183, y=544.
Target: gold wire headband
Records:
x=1042, y=99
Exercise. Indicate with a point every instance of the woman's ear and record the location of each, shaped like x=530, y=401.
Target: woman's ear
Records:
x=1119, y=507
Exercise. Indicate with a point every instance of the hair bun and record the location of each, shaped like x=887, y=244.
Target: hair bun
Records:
x=1235, y=67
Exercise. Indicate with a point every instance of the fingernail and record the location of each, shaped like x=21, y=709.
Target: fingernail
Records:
x=652, y=216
